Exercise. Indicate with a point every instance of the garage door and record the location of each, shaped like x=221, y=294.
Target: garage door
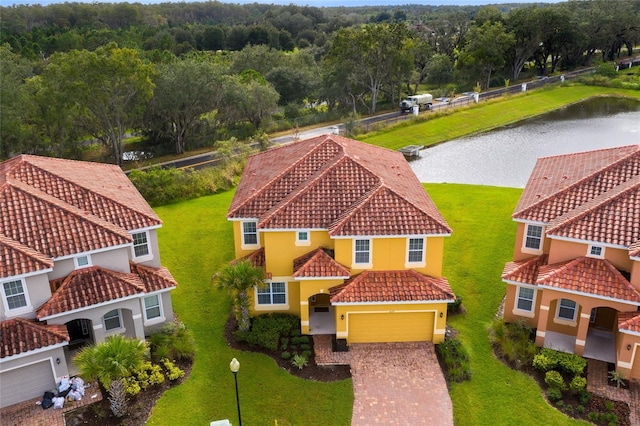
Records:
x=390, y=327
x=26, y=383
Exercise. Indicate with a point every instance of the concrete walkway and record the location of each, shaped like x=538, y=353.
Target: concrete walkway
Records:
x=398, y=384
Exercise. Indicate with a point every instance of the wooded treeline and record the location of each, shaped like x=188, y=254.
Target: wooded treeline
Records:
x=188, y=74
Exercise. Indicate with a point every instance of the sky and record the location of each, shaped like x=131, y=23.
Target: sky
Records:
x=315, y=3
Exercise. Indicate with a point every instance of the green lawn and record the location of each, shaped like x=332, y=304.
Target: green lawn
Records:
x=488, y=115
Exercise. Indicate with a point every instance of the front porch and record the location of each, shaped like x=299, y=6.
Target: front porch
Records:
x=600, y=344
x=322, y=320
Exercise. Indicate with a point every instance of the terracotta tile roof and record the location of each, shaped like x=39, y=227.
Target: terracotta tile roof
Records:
x=89, y=286
x=318, y=182
x=524, y=271
x=319, y=263
x=256, y=258
x=634, y=249
x=392, y=286
x=52, y=227
x=629, y=321
x=19, y=335
x=590, y=276
x=112, y=197
x=18, y=259
x=612, y=217
x=153, y=279
x=560, y=183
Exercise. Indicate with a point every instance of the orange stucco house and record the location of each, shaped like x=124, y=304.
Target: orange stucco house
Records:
x=575, y=274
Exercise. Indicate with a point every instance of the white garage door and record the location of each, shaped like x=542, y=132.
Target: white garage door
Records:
x=26, y=383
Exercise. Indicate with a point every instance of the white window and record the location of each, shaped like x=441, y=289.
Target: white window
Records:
x=567, y=310
x=82, y=261
x=274, y=293
x=533, y=237
x=249, y=233
x=112, y=320
x=14, y=294
x=415, y=251
x=141, y=244
x=362, y=251
x=596, y=251
x=525, y=299
x=152, y=308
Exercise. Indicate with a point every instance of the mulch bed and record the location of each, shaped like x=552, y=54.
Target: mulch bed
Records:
x=312, y=371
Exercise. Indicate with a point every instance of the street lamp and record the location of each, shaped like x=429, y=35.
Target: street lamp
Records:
x=235, y=367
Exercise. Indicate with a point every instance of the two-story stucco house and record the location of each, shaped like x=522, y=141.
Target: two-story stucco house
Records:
x=575, y=274
x=349, y=240
x=79, y=262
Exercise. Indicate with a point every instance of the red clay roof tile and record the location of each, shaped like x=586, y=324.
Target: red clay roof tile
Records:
x=317, y=182
x=153, y=279
x=20, y=335
x=319, y=263
x=524, y=271
x=392, y=286
x=629, y=321
x=18, y=259
x=589, y=276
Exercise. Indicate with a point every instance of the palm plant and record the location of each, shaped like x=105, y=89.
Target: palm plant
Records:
x=237, y=279
x=110, y=360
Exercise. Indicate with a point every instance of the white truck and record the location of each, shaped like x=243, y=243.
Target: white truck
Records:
x=423, y=101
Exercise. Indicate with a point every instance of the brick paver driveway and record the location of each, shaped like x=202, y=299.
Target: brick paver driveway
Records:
x=398, y=384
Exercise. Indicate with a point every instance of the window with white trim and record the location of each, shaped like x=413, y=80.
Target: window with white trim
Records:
x=152, y=308
x=525, y=299
x=567, y=309
x=112, y=320
x=362, y=251
x=250, y=233
x=141, y=244
x=15, y=294
x=415, y=250
x=533, y=237
x=82, y=261
x=274, y=293
x=303, y=236
x=596, y=251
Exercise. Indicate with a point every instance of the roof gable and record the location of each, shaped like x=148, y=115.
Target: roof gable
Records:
x=524, y=271
x=319, y=263
x=560, y=183
x=19, y=335
x=89, y=286
x=590, y=276
x=392, y=286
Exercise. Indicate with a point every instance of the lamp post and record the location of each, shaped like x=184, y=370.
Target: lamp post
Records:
x=235, y=367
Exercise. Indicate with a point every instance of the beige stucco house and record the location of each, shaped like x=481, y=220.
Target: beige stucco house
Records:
x=79, y=262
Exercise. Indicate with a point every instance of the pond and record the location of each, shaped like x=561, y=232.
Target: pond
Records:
x=506, y=157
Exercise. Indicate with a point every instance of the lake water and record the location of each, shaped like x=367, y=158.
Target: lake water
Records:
x=506, y=157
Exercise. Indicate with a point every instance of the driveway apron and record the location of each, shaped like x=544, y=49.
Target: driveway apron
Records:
x=398, y=384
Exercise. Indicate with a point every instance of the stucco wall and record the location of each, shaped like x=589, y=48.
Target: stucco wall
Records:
x=38, y=292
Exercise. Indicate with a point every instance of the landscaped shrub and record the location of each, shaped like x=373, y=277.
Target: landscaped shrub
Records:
x=173, y=372
x=513, y=341
x=455, y=306
x=548, y=359
x=284, y=343
x=285, y=355
x=455, y=359
x=299, y=361
x=554, y=394
x=554, y=380
x=617, y=378
x=174, y=341
x=266, y=330
x=578, y=384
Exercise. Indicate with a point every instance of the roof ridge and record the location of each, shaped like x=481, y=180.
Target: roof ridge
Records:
x=26, y=250
x=594, y=203
x=78, y=185
x=286, y=170
x=582, y=180
x=70, y=208
x=48, y=328
x=341, y=220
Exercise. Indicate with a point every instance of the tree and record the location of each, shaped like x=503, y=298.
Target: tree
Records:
x=485, y=50
x=113, y=359
x=247, y=97
x=185, y=90
x=237, y=279
x=13, y=102
x=109, y=87
x=524, y=25
x=370, y=56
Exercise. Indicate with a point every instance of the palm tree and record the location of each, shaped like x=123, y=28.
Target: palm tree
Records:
x=237, y=279
x=112, y=359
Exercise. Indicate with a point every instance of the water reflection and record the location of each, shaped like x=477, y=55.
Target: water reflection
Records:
x=506, y=157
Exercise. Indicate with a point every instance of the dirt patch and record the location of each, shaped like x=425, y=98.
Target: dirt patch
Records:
x=140, y=406
x=312, y=371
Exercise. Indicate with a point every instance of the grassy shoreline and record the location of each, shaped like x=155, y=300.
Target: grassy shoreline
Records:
x=486, y=116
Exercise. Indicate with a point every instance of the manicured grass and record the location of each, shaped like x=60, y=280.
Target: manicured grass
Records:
x=475, y=254
x=488, y=115
x=195, y=241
